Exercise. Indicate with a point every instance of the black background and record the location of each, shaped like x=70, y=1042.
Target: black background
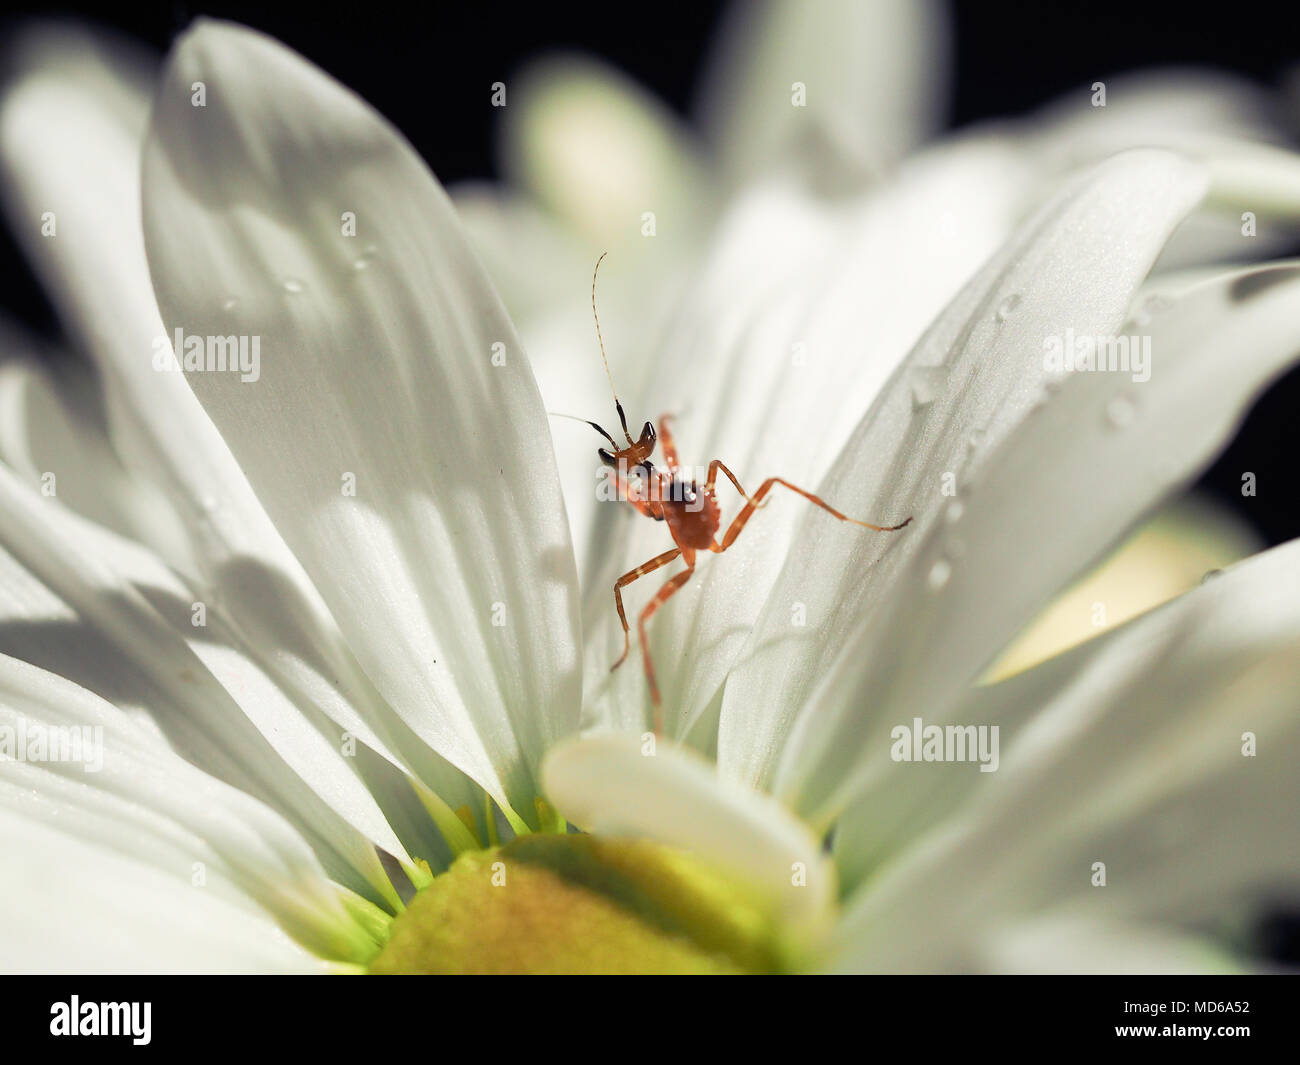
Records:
x=425, y=66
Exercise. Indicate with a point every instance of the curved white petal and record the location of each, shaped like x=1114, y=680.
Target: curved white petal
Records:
x=1166, y=558
x=965, y=377
x=1087, y=462
x=1165, y=750
x=138, y=919
x=610, y=784
x=78, y=777
x=409, y=473
x=873, y=82
x=121, y=617
x=969, y=380
x=51, y=437
x=76, y=104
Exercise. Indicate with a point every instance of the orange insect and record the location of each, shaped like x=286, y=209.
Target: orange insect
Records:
x=692, y=515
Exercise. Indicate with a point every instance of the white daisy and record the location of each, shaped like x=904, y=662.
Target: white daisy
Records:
x=356, y=635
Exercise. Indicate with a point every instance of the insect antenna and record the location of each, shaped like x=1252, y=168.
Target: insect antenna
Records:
x=618, y=406
x=575, y=418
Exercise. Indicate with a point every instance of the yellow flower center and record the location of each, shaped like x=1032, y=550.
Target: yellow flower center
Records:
x=583, y=904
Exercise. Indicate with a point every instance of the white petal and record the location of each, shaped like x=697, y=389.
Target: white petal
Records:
x=77, y=104
x=205, y=691
x=898, y=807
x=138, y=919
x=50, y=436
x=382, y=372
x=607, y=784
x=971, y=379
x=1129, y=750
x=84, y=773
x=872, y=70
x=1082, y=468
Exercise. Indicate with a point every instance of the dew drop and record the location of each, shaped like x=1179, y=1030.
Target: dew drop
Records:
x=940, y=572
x=1008, y=306
x=293, y=285
x=954, y=512
x=1120, y=412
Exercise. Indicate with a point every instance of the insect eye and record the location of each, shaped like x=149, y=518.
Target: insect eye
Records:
x=607, y=458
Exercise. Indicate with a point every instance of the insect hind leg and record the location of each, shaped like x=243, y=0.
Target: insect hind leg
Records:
x=739, y=522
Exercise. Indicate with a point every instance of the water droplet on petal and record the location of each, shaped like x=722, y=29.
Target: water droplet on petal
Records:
x=954, y=512
x=1120, y=412
x=293, y=285
x=939, y=574
x=1008, y=307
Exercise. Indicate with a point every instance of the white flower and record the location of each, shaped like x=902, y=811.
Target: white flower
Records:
x=336, y=608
